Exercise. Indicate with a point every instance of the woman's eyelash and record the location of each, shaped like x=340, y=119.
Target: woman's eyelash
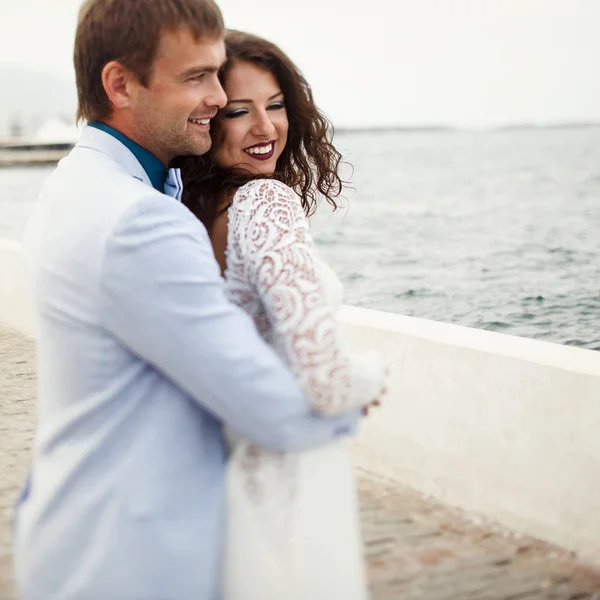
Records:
x=242, y=111
x=235, y=113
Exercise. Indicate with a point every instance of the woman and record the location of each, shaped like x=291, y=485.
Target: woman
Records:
x=292, y=518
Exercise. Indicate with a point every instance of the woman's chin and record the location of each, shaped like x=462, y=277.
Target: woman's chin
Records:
x=267, y=169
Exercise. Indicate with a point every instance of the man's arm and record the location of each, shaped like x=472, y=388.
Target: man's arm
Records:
x=164, y=299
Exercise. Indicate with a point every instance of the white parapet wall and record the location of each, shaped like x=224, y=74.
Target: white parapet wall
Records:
x=504, y=427
x=499, y=425
x=15, y=305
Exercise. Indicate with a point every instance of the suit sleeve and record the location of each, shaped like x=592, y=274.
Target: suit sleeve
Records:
x=163, y=298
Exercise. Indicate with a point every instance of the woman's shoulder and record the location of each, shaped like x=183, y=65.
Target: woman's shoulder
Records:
x=265, y=190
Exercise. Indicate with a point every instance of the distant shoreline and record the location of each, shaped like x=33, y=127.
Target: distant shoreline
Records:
x=452, y=129
x=536, y=127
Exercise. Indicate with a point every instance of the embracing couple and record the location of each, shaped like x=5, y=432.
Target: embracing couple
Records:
x=194, y=392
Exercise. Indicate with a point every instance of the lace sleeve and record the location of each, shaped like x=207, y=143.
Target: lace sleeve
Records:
x=281, y=263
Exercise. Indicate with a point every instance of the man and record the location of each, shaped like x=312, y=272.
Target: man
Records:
x=141, y=358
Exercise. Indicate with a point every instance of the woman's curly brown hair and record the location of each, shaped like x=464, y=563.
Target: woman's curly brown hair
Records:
x=309, y=162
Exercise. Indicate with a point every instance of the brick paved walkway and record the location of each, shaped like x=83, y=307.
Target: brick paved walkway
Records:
x=416, y=548
x=17, y=414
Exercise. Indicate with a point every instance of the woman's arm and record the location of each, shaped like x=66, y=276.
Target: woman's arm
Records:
x=275, y=243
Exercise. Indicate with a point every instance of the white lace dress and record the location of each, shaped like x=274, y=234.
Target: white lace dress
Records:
x=292, y=520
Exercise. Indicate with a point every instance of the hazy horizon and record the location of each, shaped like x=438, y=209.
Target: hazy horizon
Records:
x=464, y=65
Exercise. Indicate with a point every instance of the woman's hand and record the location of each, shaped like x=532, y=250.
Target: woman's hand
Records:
x=366, y=409
x=384, y=390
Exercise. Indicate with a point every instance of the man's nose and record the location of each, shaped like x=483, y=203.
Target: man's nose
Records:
x=263, y=126
x=218, y=98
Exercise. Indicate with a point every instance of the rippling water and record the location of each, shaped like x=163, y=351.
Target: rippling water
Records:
x=498, y=231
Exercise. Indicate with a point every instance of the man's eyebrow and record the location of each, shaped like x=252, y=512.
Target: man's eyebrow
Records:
x=250, y=101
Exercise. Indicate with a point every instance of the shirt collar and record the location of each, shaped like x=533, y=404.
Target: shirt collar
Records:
x=156, y=171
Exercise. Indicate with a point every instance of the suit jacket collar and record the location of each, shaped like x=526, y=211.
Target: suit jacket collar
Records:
x=100, y=141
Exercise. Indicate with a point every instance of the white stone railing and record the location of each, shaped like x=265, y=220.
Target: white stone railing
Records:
x=499, y=425
x=15, y=307
x=502, y=426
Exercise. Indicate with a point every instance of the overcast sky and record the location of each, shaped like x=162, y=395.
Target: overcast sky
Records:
x=472, y=63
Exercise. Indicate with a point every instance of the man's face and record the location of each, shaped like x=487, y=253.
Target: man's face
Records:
x=171, y=116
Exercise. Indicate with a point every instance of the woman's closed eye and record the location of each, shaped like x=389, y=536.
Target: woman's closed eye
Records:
x=240, y=112
x=234, y=114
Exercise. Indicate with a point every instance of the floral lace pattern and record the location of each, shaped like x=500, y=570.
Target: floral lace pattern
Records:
x=273, y=273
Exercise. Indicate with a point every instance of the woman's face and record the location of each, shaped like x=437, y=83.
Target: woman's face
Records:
x=254, y=122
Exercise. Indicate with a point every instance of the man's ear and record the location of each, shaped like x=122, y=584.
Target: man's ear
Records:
x=115, y=79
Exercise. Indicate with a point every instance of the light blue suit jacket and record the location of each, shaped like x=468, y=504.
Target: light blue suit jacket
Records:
x=141, y=358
